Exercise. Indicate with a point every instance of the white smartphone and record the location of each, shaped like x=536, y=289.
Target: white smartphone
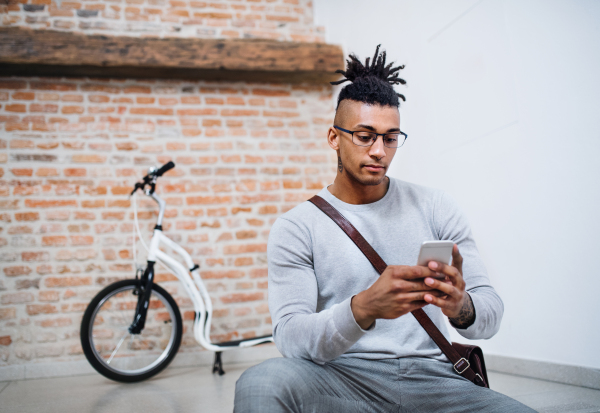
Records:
x=440, y=251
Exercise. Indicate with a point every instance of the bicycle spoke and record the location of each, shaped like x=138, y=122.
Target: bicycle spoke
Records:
x=117, y=348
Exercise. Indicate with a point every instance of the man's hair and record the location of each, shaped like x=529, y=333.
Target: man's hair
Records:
x=371, y=84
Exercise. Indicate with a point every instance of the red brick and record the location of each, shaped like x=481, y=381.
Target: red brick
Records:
x=245, y=234
x=23, y=95
x=208, y=200
x=239, y=112
x=47, y=108
x=242, y=297
x=196, y=112
x=22, y=171
x=16, y=271
x=75, y=171
x=240, y=249
x=52, y=282
x=12, y=84
x=151, y=111
x=50, y=204
x=242, y=261
x=280, y=114
x=56, y=322
x=16, y=107
x=137, y=89
x=46, y=172
x=35, y=309
x=221, y=274
x=98, y=203
x=190, y=100
x=88, y=216
x=17, y=298
x=34, y=256
x=8, y=313
x=126, y=146
x=258, y=273
x=82, y=240
x=5, y=340
x=49, y=296
x=54, y=241
x=270, y=92
x=82, y=158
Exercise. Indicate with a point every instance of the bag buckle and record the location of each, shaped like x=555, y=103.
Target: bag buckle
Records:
x=456, y=365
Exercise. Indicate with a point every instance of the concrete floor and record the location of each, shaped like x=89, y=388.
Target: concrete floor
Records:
x=195, y=389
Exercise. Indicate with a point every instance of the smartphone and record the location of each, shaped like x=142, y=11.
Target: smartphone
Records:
x=440, y=251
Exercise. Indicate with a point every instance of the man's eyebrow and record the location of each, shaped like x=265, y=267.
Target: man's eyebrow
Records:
x=371, y=128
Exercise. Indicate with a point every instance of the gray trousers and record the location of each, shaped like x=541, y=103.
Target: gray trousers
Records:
x=351, y=385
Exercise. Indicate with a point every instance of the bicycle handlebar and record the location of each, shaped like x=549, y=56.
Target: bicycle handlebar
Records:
x=150, y=179
x=166, y=167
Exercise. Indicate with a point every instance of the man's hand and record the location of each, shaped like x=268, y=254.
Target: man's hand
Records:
x=456, y=303
x=398, y=291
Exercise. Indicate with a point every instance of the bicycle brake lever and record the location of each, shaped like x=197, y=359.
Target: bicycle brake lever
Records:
x=138, y=185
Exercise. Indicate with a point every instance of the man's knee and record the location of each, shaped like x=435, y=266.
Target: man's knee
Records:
x=274, y=382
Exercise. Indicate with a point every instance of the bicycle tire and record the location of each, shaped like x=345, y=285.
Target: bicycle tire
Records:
x=144, y=355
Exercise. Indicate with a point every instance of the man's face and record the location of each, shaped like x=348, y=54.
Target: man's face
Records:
x=365, y=165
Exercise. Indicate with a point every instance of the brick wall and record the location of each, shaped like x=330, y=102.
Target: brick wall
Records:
x=272, y=19
x=71, y=149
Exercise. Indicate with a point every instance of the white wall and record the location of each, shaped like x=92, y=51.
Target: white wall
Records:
x=503, y=112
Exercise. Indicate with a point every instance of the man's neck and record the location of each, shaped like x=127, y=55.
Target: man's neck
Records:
x=352, y=192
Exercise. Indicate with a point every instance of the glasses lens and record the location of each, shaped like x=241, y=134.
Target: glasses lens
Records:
x=393, y=140
x=363, y=138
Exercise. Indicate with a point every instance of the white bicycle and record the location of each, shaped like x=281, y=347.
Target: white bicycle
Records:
x=132, y=329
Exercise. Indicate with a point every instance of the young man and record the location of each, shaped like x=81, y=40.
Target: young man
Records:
x=346, y=333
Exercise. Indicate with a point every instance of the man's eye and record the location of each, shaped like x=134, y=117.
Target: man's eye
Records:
x=390, y=140
x=364, y=138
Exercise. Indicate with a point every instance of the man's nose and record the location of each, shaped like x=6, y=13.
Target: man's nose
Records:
x=377, y=149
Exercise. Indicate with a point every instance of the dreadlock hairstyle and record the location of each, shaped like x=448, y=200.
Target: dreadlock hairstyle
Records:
x=372, y=84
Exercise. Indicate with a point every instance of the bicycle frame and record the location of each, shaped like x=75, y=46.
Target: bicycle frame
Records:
x=193, y=285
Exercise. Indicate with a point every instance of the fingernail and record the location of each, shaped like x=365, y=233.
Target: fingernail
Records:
x=428, y=298
x=433, y=265
x=429, y=281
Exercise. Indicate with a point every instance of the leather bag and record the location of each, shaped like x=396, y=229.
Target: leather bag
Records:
x=467, y=359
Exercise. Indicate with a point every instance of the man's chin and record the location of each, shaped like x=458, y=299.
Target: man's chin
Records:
x=371, y=180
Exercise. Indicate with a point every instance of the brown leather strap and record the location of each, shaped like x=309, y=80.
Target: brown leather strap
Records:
x=461, y=365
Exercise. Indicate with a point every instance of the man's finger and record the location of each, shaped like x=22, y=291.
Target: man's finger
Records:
x=451, y=272
x=439, y=302
x=410, y=272
x=411, y=286
x=418, y=296
x=457, y=259
x=445, y=288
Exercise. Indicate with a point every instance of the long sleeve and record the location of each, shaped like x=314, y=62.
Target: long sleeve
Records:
x=299, y=331
x=451, y=224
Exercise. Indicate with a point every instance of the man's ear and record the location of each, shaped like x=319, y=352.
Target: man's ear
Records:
x=333, y=139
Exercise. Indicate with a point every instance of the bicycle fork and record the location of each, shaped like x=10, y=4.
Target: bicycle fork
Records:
x=144, y=292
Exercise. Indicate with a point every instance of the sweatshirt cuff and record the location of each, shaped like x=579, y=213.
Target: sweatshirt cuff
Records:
x=346, y=325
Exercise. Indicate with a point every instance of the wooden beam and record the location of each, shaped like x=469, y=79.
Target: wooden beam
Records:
x=29, y=52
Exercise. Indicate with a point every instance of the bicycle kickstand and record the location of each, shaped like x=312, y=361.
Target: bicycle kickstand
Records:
x=218, y=364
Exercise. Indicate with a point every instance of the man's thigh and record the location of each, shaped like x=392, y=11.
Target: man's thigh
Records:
x=433, y=386
x=296, y=385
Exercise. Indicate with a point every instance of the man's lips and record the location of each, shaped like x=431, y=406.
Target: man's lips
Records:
x=374, y=168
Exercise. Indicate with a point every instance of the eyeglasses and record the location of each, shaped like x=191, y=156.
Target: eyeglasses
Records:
x=390, y=140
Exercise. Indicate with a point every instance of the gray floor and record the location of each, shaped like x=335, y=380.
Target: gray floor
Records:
x=195, y=389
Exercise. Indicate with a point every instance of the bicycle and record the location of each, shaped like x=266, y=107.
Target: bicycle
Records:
x=132, y=329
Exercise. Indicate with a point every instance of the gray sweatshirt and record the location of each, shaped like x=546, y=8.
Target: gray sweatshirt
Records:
x=315, y=269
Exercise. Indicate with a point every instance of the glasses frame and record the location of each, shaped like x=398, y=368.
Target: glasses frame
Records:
x=377, y=135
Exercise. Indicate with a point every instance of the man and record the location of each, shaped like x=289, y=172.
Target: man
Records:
x=348, y=340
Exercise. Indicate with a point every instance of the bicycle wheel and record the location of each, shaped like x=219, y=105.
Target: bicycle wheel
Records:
x=116, y=353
